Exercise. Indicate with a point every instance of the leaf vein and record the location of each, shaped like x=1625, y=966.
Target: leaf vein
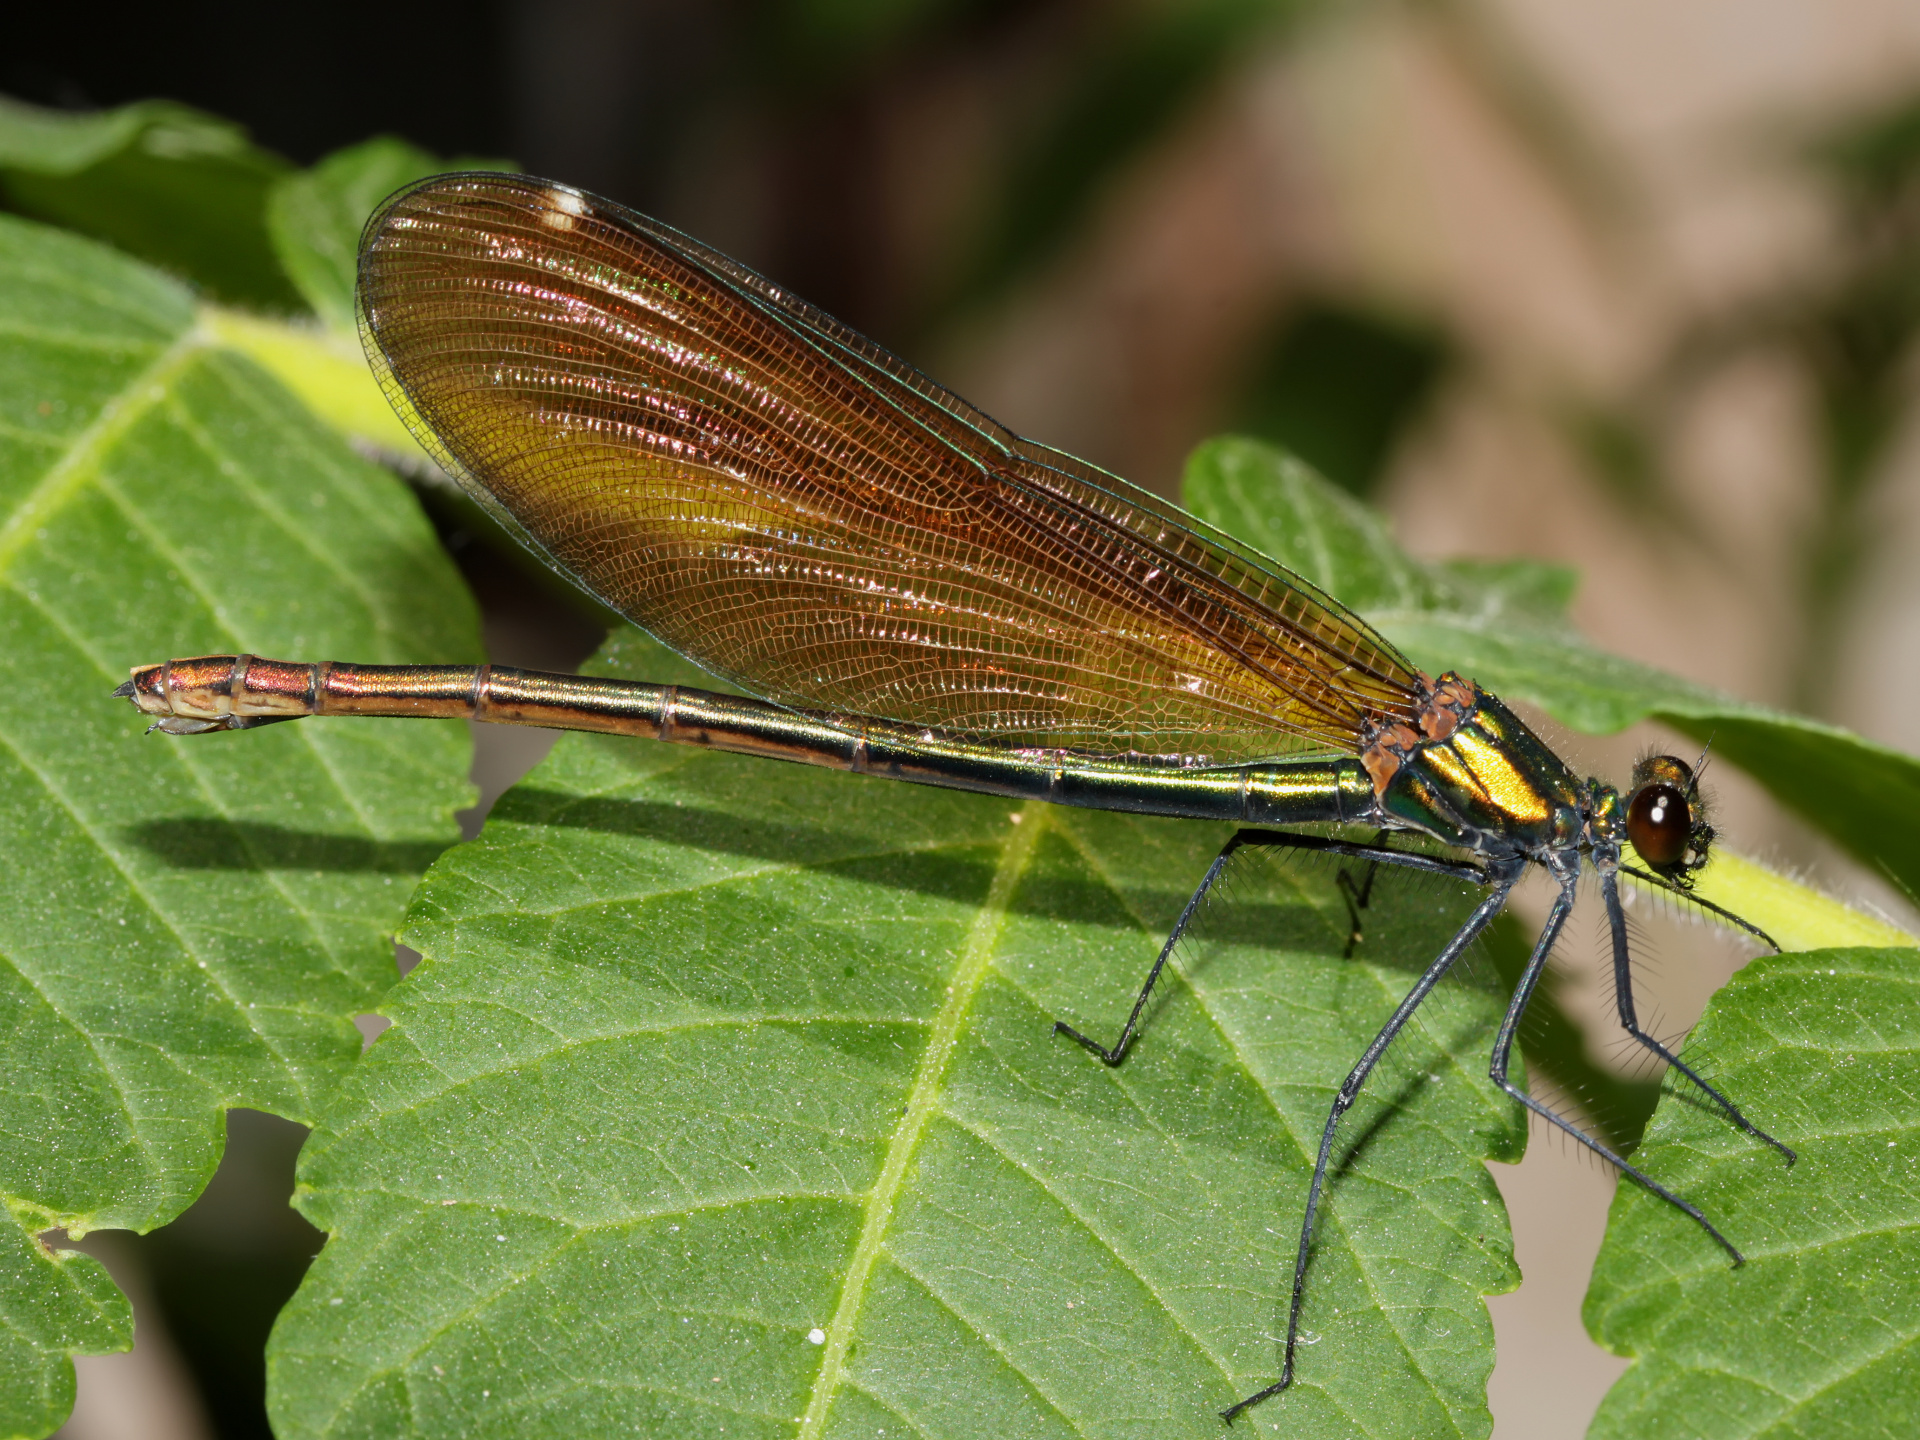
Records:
x=974, y=964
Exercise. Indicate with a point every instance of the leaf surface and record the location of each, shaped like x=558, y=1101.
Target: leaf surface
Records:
x=315, y=216
x=1815, y=1337
x=177, y=187
x=184, y=926
x=710, y=1056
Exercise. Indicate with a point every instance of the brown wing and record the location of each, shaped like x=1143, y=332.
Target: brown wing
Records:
x=795, y=509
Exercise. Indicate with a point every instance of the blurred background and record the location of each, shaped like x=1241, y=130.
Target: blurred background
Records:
x=1629, y=286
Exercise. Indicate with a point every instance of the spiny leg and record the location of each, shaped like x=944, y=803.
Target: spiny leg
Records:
x=1118, y=1051
x=1357, y=896
x=1504, y=879
x=1654, y=882
x=1630, y=1021
x=1503, y=1056
x=1275, y=839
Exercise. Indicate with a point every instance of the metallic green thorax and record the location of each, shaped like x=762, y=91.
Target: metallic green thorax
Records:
x=1487, y=783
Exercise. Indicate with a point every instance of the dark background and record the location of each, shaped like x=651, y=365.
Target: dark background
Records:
x=903, y=165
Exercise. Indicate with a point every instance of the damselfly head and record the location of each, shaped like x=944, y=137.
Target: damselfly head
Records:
x=1666, y=817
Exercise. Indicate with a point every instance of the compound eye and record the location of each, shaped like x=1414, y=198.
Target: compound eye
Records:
x=1660, y=824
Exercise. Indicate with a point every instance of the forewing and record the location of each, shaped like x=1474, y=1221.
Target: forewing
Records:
x=799, y=511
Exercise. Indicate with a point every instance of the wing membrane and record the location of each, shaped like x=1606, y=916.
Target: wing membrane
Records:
x=794, y=508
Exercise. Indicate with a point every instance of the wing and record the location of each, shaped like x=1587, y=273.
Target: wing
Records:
x=793, y=508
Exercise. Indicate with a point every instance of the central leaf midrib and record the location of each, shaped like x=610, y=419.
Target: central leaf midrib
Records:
x=974, y=963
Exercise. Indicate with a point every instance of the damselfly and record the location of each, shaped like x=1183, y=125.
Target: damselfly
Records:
x=907, y=589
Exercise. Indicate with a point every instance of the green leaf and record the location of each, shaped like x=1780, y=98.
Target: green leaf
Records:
x=327, y=370
x=709, y=1053
x=56, y=1302
x=1815, y=1336
x=1793, y=914
x=1504, y=627
x=184, y=926
x=167, y=183
x=315, y=217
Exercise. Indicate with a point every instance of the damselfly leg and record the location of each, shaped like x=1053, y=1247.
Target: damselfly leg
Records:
x=1630, y=1021
x=1358, y=895
x=1503, y=1059
x=1503, y=876
x=1375, y=854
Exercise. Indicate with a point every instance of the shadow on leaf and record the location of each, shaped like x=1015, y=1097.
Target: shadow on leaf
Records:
x=205, y=843
x=959, y=874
